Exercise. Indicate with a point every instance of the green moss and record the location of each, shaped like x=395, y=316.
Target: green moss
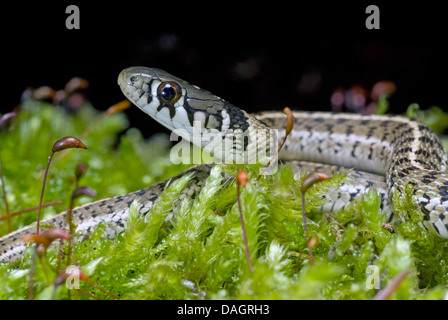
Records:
x=201, y=254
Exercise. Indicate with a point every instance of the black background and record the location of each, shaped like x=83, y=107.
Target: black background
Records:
x=287, y=42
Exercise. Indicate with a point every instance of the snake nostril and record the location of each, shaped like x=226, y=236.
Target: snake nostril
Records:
x=133, y=79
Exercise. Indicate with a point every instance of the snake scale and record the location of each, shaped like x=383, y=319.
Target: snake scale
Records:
x=390, y=153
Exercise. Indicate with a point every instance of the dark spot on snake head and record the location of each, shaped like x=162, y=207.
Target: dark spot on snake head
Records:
x=424, y=210
x=134, y=79
x=237, y=118
x=444, y=191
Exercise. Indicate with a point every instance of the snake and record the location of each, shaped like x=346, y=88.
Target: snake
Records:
x=385, y=152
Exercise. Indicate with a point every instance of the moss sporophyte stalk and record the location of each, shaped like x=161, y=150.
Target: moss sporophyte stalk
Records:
x=200, y=254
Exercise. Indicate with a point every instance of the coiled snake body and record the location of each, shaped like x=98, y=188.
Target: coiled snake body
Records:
x=395, y=150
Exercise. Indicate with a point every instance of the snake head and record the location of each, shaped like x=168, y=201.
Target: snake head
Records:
x=224, y=130
x=176, y=103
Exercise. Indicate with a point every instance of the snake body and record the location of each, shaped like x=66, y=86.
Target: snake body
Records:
x=391, y=151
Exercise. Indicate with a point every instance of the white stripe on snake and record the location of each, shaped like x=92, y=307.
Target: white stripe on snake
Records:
x=395, y=150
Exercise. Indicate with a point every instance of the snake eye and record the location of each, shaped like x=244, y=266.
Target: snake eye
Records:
x=169, y=92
